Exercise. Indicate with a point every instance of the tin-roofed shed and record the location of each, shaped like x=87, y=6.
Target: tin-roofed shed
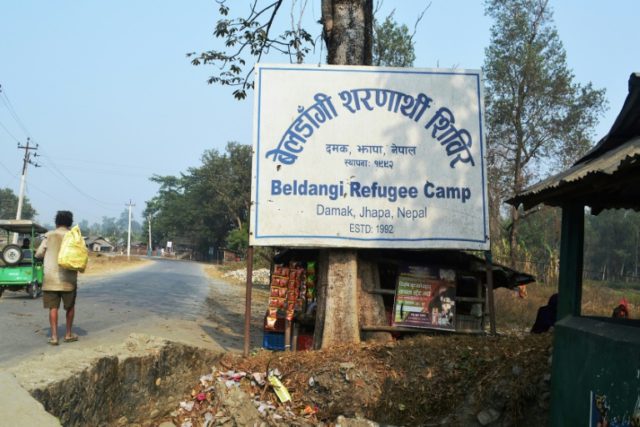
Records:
x=596, y=363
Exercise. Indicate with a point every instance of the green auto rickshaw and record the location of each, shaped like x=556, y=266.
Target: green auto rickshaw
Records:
x=19, y=268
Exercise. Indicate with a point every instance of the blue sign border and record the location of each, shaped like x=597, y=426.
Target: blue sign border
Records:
x=261, y=70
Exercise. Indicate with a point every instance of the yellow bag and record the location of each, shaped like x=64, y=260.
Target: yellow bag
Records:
x=73, y=253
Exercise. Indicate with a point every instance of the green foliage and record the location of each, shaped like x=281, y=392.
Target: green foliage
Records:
x=203, y=205
x=536, y=113
x=263, y=256
x=115, y=230
x=611, y=246
x=612, y=240
x=538, y=119
x=9, y=205
x=392, y=44
x=238, y=239
x=245, y=40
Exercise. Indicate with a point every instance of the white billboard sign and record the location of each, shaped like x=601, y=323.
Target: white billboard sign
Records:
x=368, y=157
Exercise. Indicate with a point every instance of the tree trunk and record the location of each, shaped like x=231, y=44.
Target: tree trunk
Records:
x=340, y=299
x=518, y=178
x=513, y=237
x=347, y=31
x=321, y=298
x=372, y=312
x=348, y=26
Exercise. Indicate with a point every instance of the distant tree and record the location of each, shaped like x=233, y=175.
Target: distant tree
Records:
x=238, y=239
x=9, y=205
x=226, y=177
x=538, y=119
x=539, y=243
x=123, y=226
x=207, y=202
x=612, y=240
x=393, y=45
x=110, y=230
x=84, y=227
x=165, y=208
x=95, y=229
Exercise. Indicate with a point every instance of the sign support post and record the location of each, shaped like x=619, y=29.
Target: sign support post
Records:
x=492, y=307
x=247, y=305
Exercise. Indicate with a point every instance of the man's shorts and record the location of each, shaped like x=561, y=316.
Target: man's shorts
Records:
x=51, y=299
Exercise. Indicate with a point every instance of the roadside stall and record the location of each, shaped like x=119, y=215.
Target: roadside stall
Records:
x=288, y=323
x=422, y=291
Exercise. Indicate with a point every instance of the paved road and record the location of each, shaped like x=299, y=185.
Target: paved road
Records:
x=172, y=299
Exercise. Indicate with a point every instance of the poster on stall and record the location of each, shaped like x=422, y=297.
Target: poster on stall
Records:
x=423, y=300
x=368, y=157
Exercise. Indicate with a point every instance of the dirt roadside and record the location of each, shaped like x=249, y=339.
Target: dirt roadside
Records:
x=420, y=380
x=137, y=338
x=458, y=380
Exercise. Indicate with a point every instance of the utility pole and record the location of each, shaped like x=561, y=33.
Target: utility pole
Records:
x=149, y=248
x=129, y=233
x=23, y=179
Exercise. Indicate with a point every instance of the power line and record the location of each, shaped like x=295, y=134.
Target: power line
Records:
x=12, y=111
x=40, y=190
x=54, y=169
x=9, y=133
x=124, y=171
x=12, y=174
x=96, y=162
x=57, y=172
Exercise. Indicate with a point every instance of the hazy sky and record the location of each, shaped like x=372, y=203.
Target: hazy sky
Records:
x=105, y=89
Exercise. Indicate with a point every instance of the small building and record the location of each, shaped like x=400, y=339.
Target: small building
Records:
x=139, y=248
x=98, y=244
x=596, y=368
x=229, y=255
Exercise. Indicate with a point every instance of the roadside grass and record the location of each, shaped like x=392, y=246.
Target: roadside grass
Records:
x=100, y=264
x=215, y=271
x=232, y=266
x=598, y=299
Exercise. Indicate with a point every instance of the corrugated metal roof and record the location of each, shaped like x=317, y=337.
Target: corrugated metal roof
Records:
x=608, y=176
x=625, y=127
x=593, y=182
x=22, y=226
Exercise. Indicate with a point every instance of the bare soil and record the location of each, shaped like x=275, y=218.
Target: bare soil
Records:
x=418, y=380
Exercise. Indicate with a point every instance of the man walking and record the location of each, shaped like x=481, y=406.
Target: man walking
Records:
x=59, y=284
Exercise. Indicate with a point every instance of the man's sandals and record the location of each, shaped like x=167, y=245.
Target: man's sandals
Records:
x=54, y=341
x=72, y=338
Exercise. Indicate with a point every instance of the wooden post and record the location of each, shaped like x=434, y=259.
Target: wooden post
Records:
x=294, y=338
x=571, y=259
x=247, y=304
x=287, y=334
x=492, y=307
x=479, y=289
